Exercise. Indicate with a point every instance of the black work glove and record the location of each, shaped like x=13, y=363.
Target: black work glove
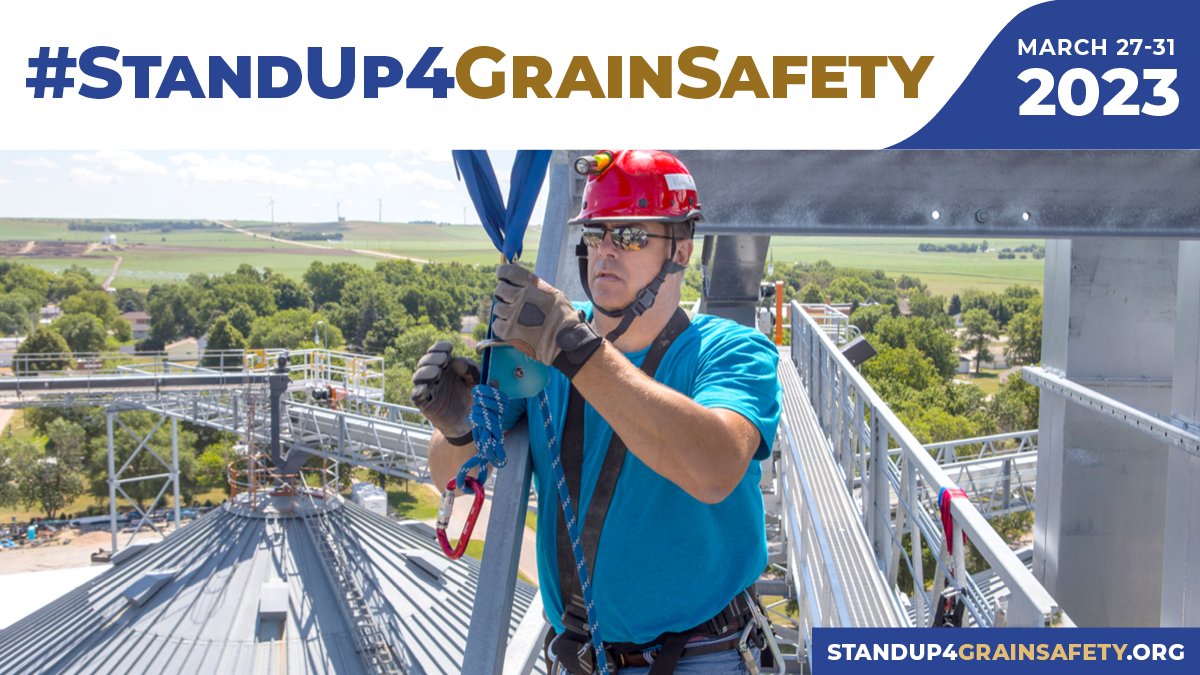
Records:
x=538, y=319
x=442, y=391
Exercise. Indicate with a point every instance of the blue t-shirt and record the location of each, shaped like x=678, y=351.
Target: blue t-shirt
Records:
x=666, y=561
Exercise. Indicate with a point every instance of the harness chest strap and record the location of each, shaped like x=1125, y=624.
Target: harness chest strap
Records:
x=574, y=611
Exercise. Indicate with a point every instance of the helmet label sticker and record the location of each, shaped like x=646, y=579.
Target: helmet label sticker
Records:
x=679, y=181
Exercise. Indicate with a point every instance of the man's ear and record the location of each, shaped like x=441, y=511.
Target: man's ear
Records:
x=683, y=251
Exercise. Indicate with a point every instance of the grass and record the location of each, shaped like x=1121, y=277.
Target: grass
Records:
x=988, y=380
x=413, y=502
x=99, y=506
x=180, y=253
x=531, y=520
x=944, y=273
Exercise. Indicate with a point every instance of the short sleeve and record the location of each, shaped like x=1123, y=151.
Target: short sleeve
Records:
x=737, y=371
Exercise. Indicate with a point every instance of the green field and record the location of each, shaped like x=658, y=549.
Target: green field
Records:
x=155, y=257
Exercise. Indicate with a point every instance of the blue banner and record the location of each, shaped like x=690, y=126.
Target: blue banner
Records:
x=1029, y=651
x=1076, y=74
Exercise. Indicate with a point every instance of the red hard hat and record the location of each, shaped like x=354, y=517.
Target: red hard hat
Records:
x=636, y=185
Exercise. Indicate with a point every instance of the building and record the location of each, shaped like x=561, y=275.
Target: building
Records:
x=139, y=322
x=187, y=349
x=49, y=313
x=8, y=347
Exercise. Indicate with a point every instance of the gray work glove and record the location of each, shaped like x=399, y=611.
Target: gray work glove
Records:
x=442, y=390
x=531, y=311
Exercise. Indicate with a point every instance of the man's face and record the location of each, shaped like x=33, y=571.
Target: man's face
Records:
x=616, y=276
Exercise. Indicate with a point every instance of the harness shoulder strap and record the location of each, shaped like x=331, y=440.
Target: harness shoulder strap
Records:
x=574, y=611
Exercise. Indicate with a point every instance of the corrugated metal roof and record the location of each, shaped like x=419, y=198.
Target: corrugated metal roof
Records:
x=205, y=618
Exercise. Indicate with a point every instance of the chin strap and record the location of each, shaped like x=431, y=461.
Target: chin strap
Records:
x=645, y=297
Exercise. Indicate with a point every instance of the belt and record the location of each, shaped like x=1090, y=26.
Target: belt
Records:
x=637, y=659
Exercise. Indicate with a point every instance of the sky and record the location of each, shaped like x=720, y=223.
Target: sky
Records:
x=240, y=185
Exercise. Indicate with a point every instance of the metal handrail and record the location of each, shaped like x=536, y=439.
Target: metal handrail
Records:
x=862, y=429
x=1161, y=430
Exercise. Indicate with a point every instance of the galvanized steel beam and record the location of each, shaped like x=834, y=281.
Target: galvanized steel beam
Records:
x=949, y=193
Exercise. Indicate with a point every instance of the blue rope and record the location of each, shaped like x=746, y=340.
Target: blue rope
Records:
x=488, y=431
x=486, y=417
x=581, y=567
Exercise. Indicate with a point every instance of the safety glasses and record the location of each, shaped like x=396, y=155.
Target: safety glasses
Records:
x=624, y=237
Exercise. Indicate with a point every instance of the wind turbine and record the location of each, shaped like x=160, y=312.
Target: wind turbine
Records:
x=381, y=210
x=272, y=202
x=339, y=211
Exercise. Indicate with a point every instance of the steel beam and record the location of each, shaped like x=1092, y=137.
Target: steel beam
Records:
x=1039, y=194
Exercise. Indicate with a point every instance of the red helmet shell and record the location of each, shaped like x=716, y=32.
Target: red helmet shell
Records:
x=640, y=185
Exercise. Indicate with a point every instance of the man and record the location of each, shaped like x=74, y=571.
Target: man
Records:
x=670, y=509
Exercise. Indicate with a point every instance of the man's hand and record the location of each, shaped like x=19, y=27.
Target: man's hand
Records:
x=442, y=390
x=531, y=311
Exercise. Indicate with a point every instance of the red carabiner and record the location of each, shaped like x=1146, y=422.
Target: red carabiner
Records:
x=444, y=518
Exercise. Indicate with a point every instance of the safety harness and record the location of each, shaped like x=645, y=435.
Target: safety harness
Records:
x=575, y=649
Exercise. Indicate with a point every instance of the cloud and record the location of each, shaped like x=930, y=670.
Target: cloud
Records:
x=192, y=167
x=35, y=163
x=122, y=162
x=355, y=172
x=412, y=157
x=393, y=174
x=430, y=205
x=89, y=177
x=4, y=181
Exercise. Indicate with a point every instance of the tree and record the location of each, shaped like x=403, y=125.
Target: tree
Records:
x=55, y=479
x=35, y=280
x=83, y=332
x=145, y=464
x=849, y=289
x=241, y=317
x=929, y=307
x=1025, y=335
x=326, y=280
x=177, y=311
x=866, y=318
x=905, y=367
x=131, y=300
x=223, y=337
x=14, y=317
x=407, y=349
x=290, y=294
x=292, y=329
x=955, y=305
x=922, y=334
x=96, y=303
x=1015, y=406
x=812, y=295
x=44, y=350
x=980, y=329
x=212, y=466
x=10, y=483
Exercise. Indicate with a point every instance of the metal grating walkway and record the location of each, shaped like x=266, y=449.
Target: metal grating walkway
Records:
x=838, y=563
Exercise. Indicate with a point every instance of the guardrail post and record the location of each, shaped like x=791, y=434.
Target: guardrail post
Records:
x=112, y=480
x=175, y=467
x=880, y=530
